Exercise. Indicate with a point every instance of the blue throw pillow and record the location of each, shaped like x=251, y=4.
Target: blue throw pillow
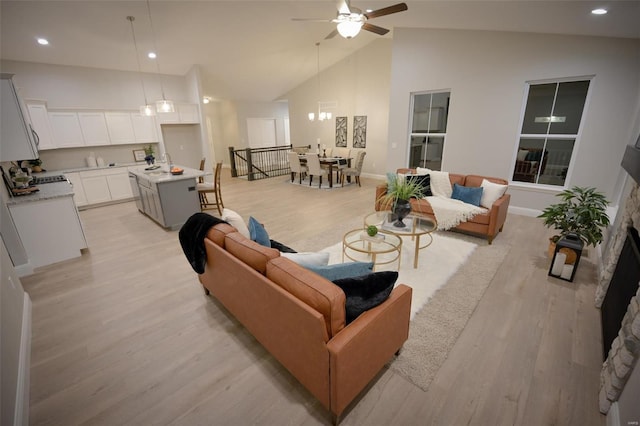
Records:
x=257, y=233
x=467, y=194
x=343, y=270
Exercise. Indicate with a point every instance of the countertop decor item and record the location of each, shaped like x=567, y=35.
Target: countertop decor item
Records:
x=582, y=211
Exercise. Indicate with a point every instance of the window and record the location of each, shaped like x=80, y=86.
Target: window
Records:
x=549, y=131
x=428, y=129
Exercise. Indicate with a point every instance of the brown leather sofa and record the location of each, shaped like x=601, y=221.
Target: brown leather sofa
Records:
x=299, y=317
x=487, y=225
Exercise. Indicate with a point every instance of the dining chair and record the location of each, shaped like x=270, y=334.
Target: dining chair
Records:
x=356, y=170
x=313, y=165
x=296, y=167
x=201, y=178
x=342, y=164
x=205, y=189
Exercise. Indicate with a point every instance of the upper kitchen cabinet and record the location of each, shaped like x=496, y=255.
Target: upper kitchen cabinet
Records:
x=18, y=140
x=40, y=122
x=66, y=129
x=120, y=127
x=144, y=128
x=184, y=114
x=94, y=128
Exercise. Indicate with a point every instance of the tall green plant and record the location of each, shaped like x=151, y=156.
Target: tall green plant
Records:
x=400, y=189
x=582, y=210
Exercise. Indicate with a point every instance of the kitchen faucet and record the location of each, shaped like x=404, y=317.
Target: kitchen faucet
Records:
x=167, y=159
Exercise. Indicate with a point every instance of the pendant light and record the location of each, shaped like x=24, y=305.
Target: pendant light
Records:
x=164, y=105
x=145, y=109
x=322, y=115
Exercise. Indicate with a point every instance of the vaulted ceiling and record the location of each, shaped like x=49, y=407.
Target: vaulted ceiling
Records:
x=253, y=50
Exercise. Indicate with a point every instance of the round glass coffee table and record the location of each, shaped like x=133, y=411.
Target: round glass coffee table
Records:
x=359, y=247
x=418, y=226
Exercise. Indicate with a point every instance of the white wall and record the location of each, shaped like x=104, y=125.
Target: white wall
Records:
x=486, y=74
x=15, y=344
x=360, y=85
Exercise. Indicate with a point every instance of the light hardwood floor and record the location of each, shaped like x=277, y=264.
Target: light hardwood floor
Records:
x=125, y=334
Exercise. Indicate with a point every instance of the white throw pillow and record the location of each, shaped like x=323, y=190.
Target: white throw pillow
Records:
x=235, y=220
x=440, y=184
x=308, y=258
x=422, y=171
x=491, y=192
x=522, y=154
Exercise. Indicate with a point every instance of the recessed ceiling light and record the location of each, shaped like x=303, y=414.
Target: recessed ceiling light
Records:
x=152, y=55
x=43, y=41
x=599, y=11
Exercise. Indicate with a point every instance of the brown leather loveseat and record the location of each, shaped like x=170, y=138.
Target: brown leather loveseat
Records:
x=299, y=317
x=487, y=225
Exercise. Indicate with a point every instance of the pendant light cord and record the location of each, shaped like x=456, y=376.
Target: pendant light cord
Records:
x=155, y=49
x=135, y=45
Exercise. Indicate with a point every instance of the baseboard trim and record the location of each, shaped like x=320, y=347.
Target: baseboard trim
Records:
x=24, y=270
x=524, y=211
x=21, y=409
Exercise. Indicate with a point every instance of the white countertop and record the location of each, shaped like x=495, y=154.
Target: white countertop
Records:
x=161, y=175
x=46, y=191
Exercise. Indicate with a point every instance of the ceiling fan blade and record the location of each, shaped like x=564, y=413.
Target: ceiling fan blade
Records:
x=343, y=7
x=312, y=20
x=332, y=34
x=400, y=7
x=374, y=28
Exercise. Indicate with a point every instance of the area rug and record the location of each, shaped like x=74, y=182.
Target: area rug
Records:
x=436, y=264
x=434, y=331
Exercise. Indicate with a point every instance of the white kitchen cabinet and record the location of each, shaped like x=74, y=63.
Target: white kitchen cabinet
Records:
x=78, y=189
x=118, y=183
x=19, y=140
x=184, y=114
x=40, y=122
x=94, y=128
x=66, y=130
x=144, y=128
x=120, y=128
x=59, y=237
x=95, y=186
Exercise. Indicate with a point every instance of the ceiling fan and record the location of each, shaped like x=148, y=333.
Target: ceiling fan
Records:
x=351, y=20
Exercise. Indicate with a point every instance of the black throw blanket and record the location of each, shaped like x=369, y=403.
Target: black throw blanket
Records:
x=192, y=236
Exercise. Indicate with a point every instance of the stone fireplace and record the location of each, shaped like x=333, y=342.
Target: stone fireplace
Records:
x=624, y=353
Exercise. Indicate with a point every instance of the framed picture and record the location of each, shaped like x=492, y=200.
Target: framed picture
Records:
x=138, y=155
x=341, y=131
x=360, y=131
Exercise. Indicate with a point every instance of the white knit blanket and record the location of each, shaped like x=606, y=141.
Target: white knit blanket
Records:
x=450, y=212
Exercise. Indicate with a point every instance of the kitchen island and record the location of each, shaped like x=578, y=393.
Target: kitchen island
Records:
x=166, y=198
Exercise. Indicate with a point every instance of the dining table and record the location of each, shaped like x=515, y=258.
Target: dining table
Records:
x=331, y=162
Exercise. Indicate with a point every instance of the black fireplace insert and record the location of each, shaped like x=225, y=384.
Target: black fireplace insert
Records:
x=623, y=286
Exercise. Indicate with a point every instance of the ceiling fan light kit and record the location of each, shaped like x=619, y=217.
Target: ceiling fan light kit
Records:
x=350, y=20
x=349, y=29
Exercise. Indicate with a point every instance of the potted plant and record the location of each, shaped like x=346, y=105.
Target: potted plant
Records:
x=398, y=196
x=148, y=151
x=582, y=211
